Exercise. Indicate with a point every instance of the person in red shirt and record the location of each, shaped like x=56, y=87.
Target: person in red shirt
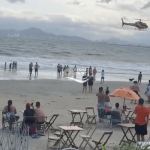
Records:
x=141, y=121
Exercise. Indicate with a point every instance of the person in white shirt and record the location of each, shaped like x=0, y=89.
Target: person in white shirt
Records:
x=102, y=76
x=75, y=71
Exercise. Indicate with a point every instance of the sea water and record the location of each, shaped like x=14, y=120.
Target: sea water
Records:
x=119, y=62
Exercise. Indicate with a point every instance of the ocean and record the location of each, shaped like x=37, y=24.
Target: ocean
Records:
x=119, y=62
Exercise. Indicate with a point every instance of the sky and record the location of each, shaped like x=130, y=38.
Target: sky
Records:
x=91, y=19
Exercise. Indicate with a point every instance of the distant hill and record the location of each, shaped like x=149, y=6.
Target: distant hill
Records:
x=36, y=33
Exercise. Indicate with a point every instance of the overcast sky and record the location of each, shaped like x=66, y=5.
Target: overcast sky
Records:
x=86, y=18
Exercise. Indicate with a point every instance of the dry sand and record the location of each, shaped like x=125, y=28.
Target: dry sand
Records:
x=58, y=96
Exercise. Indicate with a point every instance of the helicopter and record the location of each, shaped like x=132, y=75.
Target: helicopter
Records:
x=139, y=24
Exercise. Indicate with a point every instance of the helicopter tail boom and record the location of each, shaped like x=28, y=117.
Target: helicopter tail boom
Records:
x=122, y=22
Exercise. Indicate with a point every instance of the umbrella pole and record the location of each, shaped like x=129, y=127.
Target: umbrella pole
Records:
x=124, y=102
x=124, y=107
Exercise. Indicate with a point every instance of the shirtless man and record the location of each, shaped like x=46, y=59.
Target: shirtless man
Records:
x=36, y=68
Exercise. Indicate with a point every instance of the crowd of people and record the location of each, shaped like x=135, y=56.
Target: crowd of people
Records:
x=142, y=112
x=30, y=113
x=36, y=68
x=12, y=66
x=89, y=80
x=88, y=71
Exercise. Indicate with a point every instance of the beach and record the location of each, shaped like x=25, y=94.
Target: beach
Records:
x=59, y=96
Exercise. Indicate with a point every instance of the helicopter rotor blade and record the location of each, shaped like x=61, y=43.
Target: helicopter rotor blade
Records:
x=142, y=20
x=138, y=19
x=145, y=20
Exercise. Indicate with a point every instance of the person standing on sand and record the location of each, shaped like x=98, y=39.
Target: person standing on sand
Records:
x=75, y=71
x=135, y=88
x=30, y=68
x=36, y=68
x=60, y=68
x=5, y=65
x=102, y=76
x=139, y=77
x=90, y=71
x=16, y=65
x=90, y=83
x=10, y=66
x=107, y=99
x=86, y=71
x=141, y=121
x=94, y=73
x=13, y=66
x=101, y=96
x=147, y=93
x=58, y=73
x=64, y=68
x=85, y=83
x=100, y=105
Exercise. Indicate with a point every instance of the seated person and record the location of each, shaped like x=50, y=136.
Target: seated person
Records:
x=29, y=115
x=39, y=112
x=118, y=109
x=9, y=108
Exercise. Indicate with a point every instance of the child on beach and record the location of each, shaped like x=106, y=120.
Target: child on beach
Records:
x=102, y=76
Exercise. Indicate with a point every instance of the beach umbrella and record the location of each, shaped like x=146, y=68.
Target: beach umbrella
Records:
x=125, y=93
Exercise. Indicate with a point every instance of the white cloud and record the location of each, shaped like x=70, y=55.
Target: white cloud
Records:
x=147, y=5
x=14, y=1
x=105, y=1
x=94, y=21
